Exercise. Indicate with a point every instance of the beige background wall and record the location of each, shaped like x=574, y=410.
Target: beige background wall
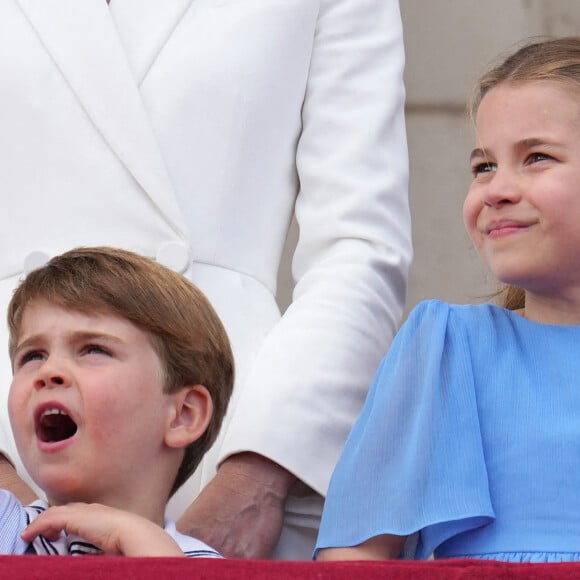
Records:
x=448, y=44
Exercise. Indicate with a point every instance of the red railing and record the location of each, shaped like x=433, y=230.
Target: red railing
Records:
x=98, y=567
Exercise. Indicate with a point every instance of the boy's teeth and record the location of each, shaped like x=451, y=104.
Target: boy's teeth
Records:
x=55, y=425
x=53, y=412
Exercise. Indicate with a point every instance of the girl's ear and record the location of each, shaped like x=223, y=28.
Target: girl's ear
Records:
x=189, y=417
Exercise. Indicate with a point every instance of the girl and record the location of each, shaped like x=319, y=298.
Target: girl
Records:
x=468, y=443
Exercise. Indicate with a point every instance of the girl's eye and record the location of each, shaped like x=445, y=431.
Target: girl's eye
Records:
x=484, y=167
x=535, y=157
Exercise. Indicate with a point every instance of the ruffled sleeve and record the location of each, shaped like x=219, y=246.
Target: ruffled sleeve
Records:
x=414, y=464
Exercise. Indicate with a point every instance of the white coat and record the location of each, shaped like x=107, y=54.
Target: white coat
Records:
x=191, y=131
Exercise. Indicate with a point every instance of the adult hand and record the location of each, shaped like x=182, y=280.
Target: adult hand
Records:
x=114, y=531
x=241, y=510
x=11, y=481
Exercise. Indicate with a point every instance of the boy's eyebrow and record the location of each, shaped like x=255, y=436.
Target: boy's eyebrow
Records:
x=81, y=335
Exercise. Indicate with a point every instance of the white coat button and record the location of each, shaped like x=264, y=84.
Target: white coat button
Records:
x=34, y=260
x=174, y=255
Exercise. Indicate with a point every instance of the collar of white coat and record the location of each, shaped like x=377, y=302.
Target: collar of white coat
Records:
x=83, y=40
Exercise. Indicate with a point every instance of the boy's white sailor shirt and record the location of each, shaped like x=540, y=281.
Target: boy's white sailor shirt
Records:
x=14, y=517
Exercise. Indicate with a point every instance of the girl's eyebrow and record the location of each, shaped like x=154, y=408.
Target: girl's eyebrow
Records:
x=477, y=152
x=522, y=145
x=532, y=142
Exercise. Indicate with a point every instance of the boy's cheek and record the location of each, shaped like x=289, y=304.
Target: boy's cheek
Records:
x=17, y=409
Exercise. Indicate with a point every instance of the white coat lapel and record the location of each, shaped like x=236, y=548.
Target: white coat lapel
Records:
x=144, y=27
x=82, y=40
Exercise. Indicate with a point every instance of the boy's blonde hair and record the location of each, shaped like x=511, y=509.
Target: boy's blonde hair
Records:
x=189, y=337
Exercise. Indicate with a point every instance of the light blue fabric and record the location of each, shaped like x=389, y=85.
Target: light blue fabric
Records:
x=469, y=441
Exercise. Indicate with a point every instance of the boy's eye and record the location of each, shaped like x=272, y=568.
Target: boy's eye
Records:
x=96, y=349
x=30, y=356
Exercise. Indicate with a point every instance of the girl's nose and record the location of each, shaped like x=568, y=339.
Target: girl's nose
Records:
x=503, y=188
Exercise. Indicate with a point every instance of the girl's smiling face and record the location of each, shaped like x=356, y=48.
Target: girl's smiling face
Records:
x=79, y=384
x=522, y=211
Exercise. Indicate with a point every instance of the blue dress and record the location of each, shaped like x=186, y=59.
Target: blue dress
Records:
x=469, y=441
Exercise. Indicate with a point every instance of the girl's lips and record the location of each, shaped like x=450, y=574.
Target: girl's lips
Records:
x=502, y=228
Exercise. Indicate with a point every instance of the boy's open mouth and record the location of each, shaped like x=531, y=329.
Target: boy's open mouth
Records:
x=54, y=425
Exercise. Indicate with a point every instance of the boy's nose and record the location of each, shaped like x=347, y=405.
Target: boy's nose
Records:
x=49, y=376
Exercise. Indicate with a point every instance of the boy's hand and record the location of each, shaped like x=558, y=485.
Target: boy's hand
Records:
x=241, y=510
x=116, y=532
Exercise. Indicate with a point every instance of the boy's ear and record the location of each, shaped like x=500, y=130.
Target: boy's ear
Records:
x=189, y=417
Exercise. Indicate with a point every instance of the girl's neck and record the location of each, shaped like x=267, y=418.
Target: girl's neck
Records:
x=563, y=311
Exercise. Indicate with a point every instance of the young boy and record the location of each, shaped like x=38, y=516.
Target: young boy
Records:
x=122, y=373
